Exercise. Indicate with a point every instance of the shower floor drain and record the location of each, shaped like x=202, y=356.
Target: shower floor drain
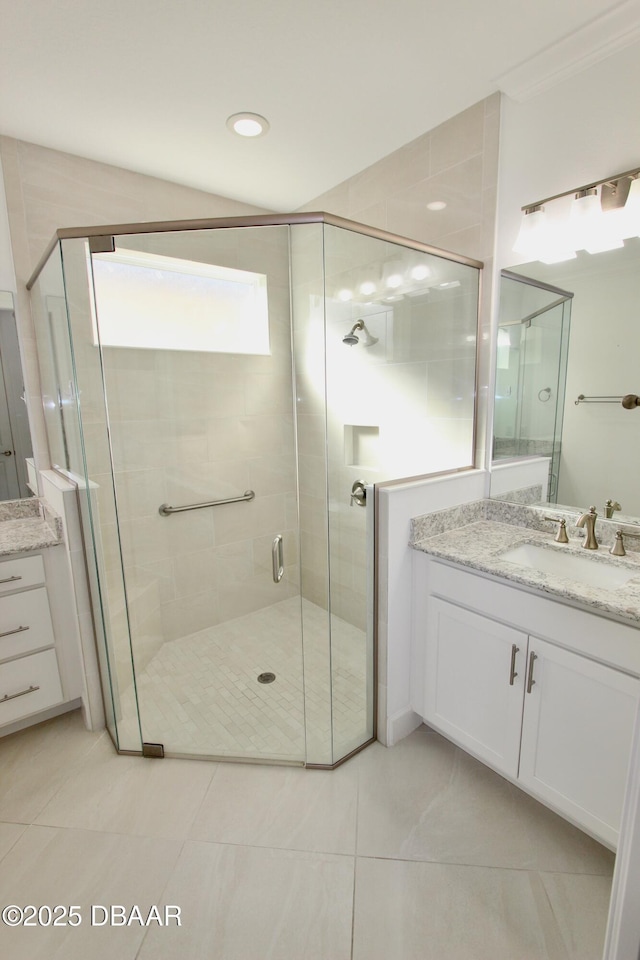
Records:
x=266, y=677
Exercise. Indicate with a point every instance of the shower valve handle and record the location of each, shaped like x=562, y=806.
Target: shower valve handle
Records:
x=359, y=493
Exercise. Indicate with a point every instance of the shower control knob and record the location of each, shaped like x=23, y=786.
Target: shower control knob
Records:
x=359, y=493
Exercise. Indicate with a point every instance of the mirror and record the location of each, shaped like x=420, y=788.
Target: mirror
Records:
x=15, y=438
x=559, y=393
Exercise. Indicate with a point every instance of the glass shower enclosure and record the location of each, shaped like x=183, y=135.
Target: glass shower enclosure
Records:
x=531, y=372
x=228, y=395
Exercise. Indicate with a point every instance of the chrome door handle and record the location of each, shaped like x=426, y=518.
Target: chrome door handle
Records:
x=532, y=659
x=277, y=560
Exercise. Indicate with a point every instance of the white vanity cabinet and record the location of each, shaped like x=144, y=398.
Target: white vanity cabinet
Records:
x=473, y=683
x=544, y=693
x=29, y=675
x=576, y=735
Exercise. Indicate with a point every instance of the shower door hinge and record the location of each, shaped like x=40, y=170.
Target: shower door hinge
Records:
x=153, y=750
x=102, y=244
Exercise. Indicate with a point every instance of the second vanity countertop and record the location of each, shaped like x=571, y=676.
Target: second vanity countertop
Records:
x=27, y=525
x=480, y=545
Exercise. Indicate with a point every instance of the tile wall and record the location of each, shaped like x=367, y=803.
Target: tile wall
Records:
x=455, y=163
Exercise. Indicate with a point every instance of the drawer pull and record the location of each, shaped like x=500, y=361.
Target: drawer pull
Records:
x=532, y=659
x=512, y=672
x=23, y=693
x=10, y=579
x=10, y=633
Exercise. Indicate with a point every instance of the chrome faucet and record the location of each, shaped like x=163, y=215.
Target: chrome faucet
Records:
x=588, y=520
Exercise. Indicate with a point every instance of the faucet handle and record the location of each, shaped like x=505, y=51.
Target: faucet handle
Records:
x=609, y=507
x=561, y=535
x=618, y=549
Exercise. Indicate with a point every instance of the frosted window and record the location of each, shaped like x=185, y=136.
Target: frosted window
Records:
x=148, y=301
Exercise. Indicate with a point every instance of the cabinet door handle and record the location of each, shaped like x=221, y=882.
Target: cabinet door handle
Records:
x=10, y=579
x=9, y=633
x=532, y=659
x=512, y=672
x=23, y=693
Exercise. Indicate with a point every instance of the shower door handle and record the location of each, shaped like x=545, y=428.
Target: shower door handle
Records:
x=277, y=560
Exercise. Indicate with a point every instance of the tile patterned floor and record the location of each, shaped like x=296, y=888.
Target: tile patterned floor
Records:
x=199, y=695
x=414, y=853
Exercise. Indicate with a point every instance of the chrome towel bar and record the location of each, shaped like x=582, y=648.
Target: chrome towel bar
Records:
x=165, y=510
x=630, y=400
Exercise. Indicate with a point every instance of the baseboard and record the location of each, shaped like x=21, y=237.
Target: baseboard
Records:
x=401, y=724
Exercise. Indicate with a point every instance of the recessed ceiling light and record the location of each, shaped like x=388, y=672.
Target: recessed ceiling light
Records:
x=436, y=205
x=247, y=124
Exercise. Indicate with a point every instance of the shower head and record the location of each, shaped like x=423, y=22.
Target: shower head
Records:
x=365, y=339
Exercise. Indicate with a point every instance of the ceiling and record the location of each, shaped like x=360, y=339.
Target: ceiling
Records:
x=148, y=85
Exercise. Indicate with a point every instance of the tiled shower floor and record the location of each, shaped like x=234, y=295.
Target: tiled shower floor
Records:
x=199, y=695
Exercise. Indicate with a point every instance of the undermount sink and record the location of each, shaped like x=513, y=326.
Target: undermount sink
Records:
x=588, y=570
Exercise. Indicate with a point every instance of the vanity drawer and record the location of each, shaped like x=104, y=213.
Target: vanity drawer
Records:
x=25, y=623
x=28, y=685
x=20, y=573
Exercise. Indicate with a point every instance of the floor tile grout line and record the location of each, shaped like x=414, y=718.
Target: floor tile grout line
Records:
x=353, y=906
x=268, y=846
x=556, y=918
x=164, y=890
x=25, y=827
x=480, y=866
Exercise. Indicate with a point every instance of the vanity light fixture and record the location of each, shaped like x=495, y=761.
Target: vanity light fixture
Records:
x=367, y=288
x=600, y=217
x=248, y=124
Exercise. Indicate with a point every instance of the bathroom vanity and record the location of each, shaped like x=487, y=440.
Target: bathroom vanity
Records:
x=30, y=678
x=535, y=673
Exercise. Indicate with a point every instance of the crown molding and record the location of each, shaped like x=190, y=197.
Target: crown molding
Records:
x=595, y=41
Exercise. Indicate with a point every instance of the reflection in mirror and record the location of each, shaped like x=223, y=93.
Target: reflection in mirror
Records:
x=15, y=439
x=591, y=442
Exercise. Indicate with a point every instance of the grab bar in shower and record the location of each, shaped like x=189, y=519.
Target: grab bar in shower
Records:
x=165, y=509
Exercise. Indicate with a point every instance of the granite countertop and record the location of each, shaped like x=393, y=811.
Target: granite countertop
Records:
x=28, y=525
x=479, y=545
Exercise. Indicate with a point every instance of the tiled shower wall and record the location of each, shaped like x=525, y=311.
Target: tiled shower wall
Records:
x=456, y=163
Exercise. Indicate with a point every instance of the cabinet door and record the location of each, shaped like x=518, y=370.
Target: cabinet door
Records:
x=576, y=736
x=474, y=683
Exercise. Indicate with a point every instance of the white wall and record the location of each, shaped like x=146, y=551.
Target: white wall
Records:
x=7, y=271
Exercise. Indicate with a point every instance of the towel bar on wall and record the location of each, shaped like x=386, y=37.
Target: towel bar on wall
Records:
x=629, y=401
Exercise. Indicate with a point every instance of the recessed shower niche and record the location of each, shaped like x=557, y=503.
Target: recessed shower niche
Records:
x=362, y=446
x=198, y=389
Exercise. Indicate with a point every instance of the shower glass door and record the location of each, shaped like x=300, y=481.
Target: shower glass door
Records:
x=194, y=333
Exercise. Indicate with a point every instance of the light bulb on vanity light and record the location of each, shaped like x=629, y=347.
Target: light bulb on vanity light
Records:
x=543, y=237
x=591, y=229
x=631, y=210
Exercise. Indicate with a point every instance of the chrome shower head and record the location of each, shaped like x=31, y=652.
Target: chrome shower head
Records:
x=366, y=339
